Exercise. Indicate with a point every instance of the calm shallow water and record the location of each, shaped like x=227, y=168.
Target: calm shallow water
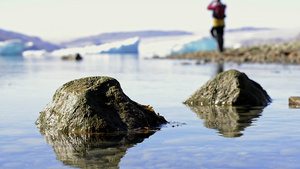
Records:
x=268, y=138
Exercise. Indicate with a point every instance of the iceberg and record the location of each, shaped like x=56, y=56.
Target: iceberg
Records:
x=194, y=46
x=35, y=54
x=165, y=46
x=127, y=46
x=13, y=47
x=150, y=47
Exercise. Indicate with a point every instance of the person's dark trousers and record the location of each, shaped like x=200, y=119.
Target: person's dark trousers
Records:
x=217, y=33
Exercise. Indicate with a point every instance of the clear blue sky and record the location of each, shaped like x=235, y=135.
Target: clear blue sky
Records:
x=60, y=19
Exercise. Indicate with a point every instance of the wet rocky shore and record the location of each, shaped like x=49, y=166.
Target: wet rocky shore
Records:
x=284, y=53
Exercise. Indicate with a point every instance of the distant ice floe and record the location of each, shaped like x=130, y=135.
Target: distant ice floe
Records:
x=175, y=45
x=36, y=54
x=13, y=47
x=126, y=46
x=132, y=46
x=194, y=46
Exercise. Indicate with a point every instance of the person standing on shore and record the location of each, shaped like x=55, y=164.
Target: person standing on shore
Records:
x=217, y=30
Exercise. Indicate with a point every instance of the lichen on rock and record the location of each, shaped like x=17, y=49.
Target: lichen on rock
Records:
x=230, y=88
x=95, y=105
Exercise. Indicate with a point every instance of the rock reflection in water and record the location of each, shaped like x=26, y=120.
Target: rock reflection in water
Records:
x=93, y=151
x=230, y=120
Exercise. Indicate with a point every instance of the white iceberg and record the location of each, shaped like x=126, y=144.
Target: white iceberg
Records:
x=127, y=46
x=161, y=47
x=35, y=54
x=194, y=46
x=164, y=46
x=13, y=47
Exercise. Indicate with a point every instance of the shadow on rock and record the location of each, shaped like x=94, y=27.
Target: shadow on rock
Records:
x=228, y=120
x=93, y=151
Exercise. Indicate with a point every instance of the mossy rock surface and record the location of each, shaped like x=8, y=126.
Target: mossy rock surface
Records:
x=230, y=88
x=95, y=105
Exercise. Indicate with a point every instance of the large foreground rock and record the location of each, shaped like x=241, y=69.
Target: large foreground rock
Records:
x=230, y=88
x=95, y=105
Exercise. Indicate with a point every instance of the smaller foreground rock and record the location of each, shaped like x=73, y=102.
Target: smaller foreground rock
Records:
x=230, y=88
x=95, y=105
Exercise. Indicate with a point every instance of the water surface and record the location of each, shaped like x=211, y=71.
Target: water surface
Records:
x=209, y=137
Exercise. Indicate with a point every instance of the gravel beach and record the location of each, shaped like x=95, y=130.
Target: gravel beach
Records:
x=285, y=53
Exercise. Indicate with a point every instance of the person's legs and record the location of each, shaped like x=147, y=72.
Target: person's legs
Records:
x=220, y=33
x=213, y=32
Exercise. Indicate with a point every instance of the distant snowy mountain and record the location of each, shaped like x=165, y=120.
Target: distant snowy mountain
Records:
x=256, y=36
x=38, y=44
x=248, y=29
x=119, y=36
